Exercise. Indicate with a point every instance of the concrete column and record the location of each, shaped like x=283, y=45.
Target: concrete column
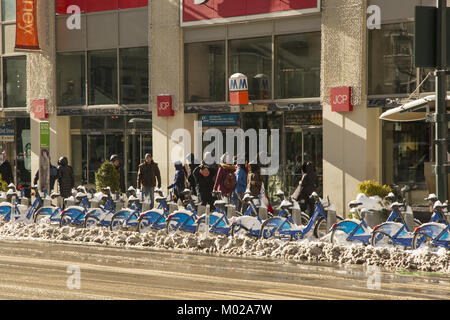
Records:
x=41, y=82
x=351, y=140
x=166, y=77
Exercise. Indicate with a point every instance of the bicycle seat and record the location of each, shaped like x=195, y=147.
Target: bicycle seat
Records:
x=80, y=196
x=390, y=196
x=280, y=193
x=354, y=204
x=160, y=199
x=285, y=204
x=81, y=189
x=220, y=203
x=431, y=197
x=55, y=195
x=438, y=205
x=248, y=197
x=132, y=198
x=396, y=205
x=159, y=191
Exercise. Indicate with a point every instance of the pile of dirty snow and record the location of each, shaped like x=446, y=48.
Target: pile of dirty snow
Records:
x=303, y=251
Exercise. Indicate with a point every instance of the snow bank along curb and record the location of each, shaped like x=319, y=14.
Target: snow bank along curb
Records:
x=306, y=250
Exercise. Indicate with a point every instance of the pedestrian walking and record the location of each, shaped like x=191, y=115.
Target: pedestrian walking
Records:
x=308, y=185
x=204, y=183
x=225, y=178
x=178, y=184
x=65, y=177
x=148, y=174
x=189, y=171
x=115, y=160
x=5, y=169
x=255, y=180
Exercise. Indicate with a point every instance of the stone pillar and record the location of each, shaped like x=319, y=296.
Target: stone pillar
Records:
x=166, y=77
x=351, y=140
x=41, y=82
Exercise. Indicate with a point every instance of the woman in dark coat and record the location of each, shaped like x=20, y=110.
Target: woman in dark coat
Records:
x=65, y=177
x=308, y=185
x=204, y=183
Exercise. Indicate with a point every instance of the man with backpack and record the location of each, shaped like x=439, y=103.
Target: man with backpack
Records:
x=226, y=178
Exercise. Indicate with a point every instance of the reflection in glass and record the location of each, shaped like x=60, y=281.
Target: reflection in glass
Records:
x=96, y=155
x=79, y=159
x=102, y=67
x=391, y=59
x=8, y=10
x=70, y=68
x=297, y=68
x=205, y=71
x=253, y=57
x=134, y=75
x=15, y=81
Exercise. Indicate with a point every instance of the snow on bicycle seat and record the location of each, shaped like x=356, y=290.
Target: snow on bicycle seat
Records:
x=286, y=204
x=11, y=192
x=354, y=203
x=133, y=198
x=396, y=204
x=439, y=205
x=80, y=195
x=220, y=203
x=431, y=197
x=55, y=195
x=280, y=193
x=159, y=199
x=248, y=197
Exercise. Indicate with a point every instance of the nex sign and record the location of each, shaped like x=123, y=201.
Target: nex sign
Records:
x=341, y=99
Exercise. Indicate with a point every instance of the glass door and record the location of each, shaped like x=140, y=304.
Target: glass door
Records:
x=138, y=145
x=96, y=155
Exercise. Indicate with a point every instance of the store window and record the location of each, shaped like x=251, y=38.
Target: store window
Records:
x=297, y=65
x=134, y=75
x=15, y=81
x=391, y=59
x=205, y=71
x=406, y=150
x=71, y=78
x=253, y=57
x=102, y=86
x=8, y=10
x=23, y=151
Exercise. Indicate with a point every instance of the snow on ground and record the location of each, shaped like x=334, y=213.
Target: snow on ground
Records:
x=308, y=250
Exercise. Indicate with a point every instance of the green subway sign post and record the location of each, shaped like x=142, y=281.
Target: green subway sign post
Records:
x=432, y=50
x=44, y=157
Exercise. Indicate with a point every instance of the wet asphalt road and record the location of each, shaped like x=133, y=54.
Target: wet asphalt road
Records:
x=43, y=270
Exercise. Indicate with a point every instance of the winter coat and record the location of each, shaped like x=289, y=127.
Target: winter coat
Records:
x=189, y=170
x=178, y=181
x=219, y=185
x=255, y=189
x=241, y=180
x=204, y=186
x=148, y=174
x=6, y=172
x=308, y=182
x=65, y=180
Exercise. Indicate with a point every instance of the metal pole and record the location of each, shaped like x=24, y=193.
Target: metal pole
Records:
x=441, y=109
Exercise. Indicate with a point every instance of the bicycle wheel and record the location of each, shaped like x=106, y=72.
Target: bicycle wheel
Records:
x=320, y=228
x=41, y=218
x=339, y=237
x=144, y=225
x=420, y=239
x=171, y=226
x=65, y=220
x=267, y=231
x=381, y=239
x=238, y=230
x=91, y=221
x=116, y=223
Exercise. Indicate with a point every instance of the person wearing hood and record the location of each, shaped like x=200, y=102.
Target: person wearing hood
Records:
x=225, y=178
x=178, y=181
x=65, y=177
x=148, y=174
x=308, y=185
x=6, y=169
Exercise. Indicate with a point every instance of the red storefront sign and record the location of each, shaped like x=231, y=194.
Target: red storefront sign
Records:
x=26, y=25
x=238, y=10
x=39, y=109
x=341, y=99
x=164, y=104
x=98, y=5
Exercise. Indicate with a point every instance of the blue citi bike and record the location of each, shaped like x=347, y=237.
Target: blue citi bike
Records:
x=127, y=218
x=74, y=215
x=284, y=228
x=250, y=222
x=395, y=232
x=155, y=218
x=218, y=219
x=102, y=215
x=183, y=219
x=432, y=234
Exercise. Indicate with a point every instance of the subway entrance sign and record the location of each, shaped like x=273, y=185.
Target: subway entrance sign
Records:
x=426, y=35
x=238, y=86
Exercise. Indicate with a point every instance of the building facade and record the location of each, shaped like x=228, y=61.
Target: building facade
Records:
x=101, y=77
